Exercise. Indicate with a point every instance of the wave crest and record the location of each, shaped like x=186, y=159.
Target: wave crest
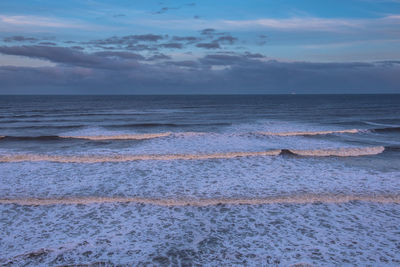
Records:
x=123, y=158
x=340, y=152
x=353, y=131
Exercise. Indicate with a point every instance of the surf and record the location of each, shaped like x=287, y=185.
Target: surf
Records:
x=339, y=152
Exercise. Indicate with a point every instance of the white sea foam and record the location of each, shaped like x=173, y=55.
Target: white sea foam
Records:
x=122, y=158
x=353, y=131
x=340, y=152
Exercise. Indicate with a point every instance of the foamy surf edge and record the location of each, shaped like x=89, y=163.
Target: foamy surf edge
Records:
x=340, y=152
x=122, y=158
x=302, y=133
x=297, y=199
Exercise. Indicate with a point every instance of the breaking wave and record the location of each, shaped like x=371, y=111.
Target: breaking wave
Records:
x=340, y=152
x=353, y=131
x=123, y=158
x=295, y=199
x=172, y=125
x=188, y=134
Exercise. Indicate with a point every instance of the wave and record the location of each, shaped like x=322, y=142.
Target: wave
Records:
x=340, y=152
x=295, y=199
x=123, y=158
x=44, y=127
x=172, y=125
x=386, y=130
x=120, y=137
x=181, y=134
x=353, y=131
x=143, y=136
x=31, y=138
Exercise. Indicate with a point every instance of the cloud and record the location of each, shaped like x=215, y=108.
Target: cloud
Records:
x=165, y=9
x=73, y=57
x=47, y=43
x=188, y=39
x=37, y=21
x=126, y=72
x=172, y=45
x=121, y=55
x=151, y=42
x=128, y=39
x=226, y=39
x=295, y=23
x=211, y=45
x=19, y=38
x=208, y=31
x=158, y=57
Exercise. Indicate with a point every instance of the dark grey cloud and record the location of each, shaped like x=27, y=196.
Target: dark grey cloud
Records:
x=54, y=54
x=172, y=45
x=188, y=39
x=47, y=43
x=184, y=63
x=141, y=47
x=211, y=45
x=208, y=39
x=78, y=72
x=253, y=55
x=19, y=38
x=128, y=39
x=77, y=47
x=208, y=31
x=224, y=60
x=73, y=57
x=226, y=39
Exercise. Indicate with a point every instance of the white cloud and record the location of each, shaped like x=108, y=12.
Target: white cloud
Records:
x=39, y=21
x=281, y=24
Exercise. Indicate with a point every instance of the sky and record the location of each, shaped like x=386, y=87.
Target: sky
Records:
x=199, y=47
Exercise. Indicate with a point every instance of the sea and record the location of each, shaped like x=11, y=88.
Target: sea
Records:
x=211, y=180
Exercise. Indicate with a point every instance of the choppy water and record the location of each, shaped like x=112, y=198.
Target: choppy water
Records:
x=200, y=180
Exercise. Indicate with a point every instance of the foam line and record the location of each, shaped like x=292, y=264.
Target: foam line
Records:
x=353, y=131
x=123, y=158
x=340, y=152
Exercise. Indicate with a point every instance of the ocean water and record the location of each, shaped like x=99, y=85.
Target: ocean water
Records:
x=200, y=180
